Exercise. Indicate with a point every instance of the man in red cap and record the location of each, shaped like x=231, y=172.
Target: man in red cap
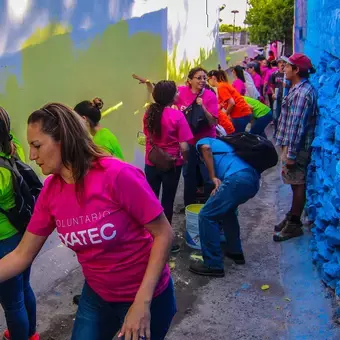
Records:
x=295, y=135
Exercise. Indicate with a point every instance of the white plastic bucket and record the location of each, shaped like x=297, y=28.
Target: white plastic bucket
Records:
x=192, y=233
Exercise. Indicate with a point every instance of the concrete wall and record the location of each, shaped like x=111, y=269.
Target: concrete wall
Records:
x=320, y=23
x=72, y=50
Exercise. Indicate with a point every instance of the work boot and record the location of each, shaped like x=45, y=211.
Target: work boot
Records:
x=200, y=268
x=292, y=229
x=282, y=224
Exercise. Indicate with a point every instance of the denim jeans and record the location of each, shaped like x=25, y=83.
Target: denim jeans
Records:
x=234, y=190
x=169, y=181
x=260, y=124
x=17, y=298
x=190, y=176
x=100, y=320
x=241, y=123
x=277, y=114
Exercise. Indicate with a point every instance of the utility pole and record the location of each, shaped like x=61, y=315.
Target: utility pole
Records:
x=234, y=12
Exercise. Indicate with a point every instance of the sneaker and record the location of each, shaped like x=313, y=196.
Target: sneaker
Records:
x=199, y=268
x=291, y=230
x=282, y=224
x=175, y=248
x=76, y=299
x=237, y=258
x=35, y=336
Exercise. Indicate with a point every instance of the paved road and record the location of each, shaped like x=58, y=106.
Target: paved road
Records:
x=296, y=306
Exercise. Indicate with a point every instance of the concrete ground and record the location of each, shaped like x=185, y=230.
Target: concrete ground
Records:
x=296, y=305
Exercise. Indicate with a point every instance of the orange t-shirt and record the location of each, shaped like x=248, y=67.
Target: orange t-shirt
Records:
x=225, y=92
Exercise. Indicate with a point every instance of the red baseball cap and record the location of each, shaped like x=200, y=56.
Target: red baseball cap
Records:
x=300, y=60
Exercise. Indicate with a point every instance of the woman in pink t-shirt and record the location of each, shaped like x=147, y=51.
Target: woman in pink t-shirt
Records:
x=196, y=92
x=105, y=211
x=167, y=129
x=255, y=72
x=240, y=82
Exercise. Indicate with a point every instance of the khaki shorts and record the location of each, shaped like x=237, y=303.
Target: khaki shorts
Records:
x=297, y=174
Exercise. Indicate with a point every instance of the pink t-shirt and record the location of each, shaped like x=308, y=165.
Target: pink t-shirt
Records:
x=104, y=226
x=267, y=79
x=186, y=98
x=174, y=130
x=257, y=81
x=240, y=86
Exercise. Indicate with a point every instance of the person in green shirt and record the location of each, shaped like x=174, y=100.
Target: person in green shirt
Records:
x=262, y=115
x=16, y=295
x=90, y=111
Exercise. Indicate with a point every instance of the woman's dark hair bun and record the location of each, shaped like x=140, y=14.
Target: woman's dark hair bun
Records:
x=98, y=103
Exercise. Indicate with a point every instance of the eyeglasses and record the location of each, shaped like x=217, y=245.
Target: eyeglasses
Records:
x=201, y=78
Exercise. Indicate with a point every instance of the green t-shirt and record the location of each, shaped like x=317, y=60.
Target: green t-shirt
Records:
x=259, y=109
x=6, y=193
x=108, y=141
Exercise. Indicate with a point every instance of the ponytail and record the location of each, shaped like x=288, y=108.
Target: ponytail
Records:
x=154, y=118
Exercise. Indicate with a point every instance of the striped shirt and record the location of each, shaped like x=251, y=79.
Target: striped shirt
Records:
x=298, y=119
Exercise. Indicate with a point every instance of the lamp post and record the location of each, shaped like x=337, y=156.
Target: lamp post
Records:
x=234, y=12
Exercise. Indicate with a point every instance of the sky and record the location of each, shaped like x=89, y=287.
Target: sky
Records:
x=228, y=17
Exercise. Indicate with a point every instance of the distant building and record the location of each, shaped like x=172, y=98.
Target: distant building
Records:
x=241, y=38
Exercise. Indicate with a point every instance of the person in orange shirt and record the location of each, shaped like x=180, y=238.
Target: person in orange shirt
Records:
x=231, y=104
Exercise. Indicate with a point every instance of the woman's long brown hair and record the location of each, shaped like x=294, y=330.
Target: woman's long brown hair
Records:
x=78, y=150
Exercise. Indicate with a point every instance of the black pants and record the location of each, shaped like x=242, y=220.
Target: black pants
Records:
x=169, y=182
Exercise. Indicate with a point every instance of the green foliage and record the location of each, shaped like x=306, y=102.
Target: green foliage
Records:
x=270, y=20
x=229, y=28
x=206, y=59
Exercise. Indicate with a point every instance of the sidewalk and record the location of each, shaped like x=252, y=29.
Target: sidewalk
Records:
x=296, y=305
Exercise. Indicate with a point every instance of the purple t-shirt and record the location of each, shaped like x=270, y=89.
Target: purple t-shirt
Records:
x=104, y=226
x=186, y=98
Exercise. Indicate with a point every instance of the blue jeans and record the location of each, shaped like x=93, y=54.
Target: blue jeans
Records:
x=100, y=320
x=234, y=190
x=17, y=298
x=241, y=123
x=190, y=176
x=169, y=182
x=260, y=124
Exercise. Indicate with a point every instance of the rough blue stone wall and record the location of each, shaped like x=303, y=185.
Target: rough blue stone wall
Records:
x=322, y=44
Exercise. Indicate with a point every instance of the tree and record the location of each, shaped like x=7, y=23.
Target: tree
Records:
x=229, y=28
x=270, y=20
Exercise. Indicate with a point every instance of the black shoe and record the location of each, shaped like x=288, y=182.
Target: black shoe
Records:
x=175, y=248
x=237, y=258
x=76, y=299
x=200, y=268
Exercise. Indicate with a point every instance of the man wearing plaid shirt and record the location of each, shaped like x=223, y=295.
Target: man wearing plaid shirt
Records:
x=295, y=135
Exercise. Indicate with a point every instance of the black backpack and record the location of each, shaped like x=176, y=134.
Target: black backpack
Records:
x=257, y=151
x=26, y=187
x=195, y=116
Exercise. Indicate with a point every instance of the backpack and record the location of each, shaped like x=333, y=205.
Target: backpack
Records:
x=256, y=150
x=195, y=116
x=26, y=187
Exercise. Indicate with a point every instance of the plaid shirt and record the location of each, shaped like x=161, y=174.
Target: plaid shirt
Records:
x=298, y=119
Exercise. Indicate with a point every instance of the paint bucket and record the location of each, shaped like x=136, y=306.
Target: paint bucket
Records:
x=192, y=233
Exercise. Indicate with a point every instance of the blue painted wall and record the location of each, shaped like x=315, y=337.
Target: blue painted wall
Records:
x=317, y=28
